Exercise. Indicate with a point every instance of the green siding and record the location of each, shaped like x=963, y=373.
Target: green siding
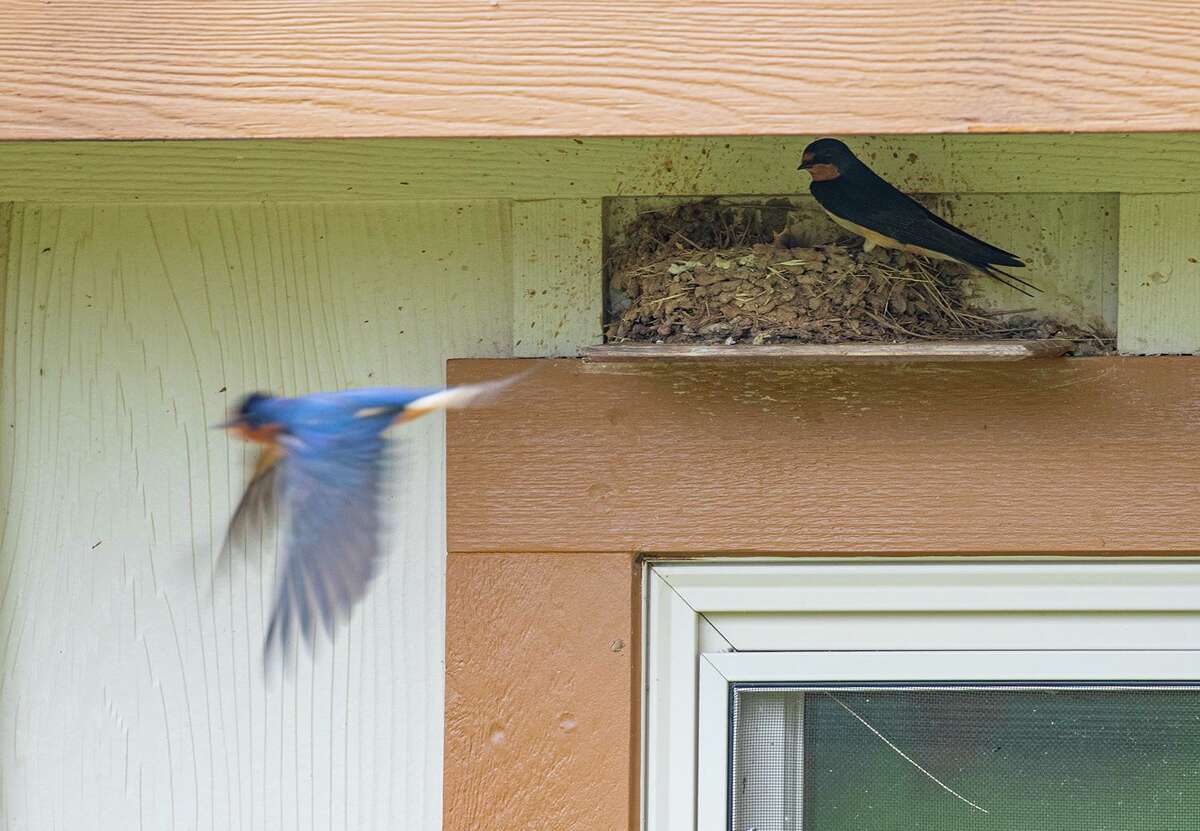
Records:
x=1056, y=199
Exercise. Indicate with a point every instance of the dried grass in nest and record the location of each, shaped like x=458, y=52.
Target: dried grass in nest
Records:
x=666, y=286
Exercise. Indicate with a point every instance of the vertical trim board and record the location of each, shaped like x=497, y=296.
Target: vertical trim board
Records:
x=557, y=276
x=541, y=716
x=1159, y=307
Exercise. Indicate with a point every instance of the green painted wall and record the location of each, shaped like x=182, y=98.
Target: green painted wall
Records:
x=1107, y=220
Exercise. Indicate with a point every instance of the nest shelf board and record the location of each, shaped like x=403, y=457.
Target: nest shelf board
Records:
x=989, y=350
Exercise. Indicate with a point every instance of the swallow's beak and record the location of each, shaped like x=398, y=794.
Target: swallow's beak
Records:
x=225, y=425
x=806, y=162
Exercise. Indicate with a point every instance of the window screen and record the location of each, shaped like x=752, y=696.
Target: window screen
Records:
x=961, y=758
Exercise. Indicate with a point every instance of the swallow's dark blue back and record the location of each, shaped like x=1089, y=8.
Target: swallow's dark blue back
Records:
x=329, y=483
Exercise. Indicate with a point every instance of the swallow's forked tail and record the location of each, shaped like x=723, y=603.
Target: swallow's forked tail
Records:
x=457, y=398
x=1011, y=280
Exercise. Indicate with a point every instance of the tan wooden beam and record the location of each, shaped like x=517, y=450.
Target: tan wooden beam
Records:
x=1079, y=456
x=179, y=69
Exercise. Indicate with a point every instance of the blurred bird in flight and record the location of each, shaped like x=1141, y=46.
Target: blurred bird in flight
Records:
x=321, y=469
x=861, y=201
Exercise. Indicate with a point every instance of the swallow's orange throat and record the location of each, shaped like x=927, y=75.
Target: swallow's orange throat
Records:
x=823, y=172
x=260, y=435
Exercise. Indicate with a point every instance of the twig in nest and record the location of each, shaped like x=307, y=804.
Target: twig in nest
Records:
x=680, y=234
x=1003, y=312
x=669, y=297
x=935, y=296
x=906, y=757
x=897, y=327
x=932, y=290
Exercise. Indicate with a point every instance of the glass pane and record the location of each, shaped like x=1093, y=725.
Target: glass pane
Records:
x=966, y=758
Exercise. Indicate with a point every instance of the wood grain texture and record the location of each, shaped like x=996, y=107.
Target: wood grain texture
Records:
x=940, y=351
x=1057, y=456
x=131, y=696
x=1160, y=274
x=391, y=169
x=270, y=69
x=541, y=681
x=557, y=276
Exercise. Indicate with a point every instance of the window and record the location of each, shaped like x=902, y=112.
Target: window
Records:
x=959, y=695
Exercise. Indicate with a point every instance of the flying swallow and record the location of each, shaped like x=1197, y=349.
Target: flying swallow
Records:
x=858, y=199
x=320, y=470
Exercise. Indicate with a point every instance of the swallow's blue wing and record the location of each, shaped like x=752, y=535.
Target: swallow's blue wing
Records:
x=330, y=489
x=318, y=410
x=396, y=398
x=256, y=506
x=329, y=485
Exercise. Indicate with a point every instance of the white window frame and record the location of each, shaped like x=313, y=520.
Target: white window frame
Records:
x=711, y=623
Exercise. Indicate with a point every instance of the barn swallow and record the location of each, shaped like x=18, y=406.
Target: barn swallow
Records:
x=323, y=464
x=858, y=199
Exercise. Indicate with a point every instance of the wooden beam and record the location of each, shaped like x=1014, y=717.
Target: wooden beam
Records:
x=389, y=170
x=177, y=69
x=994, y=350
x=1083, y=456
x=557, y=273
x=1159, y=310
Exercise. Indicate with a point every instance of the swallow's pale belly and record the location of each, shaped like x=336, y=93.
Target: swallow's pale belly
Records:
x=874, y=238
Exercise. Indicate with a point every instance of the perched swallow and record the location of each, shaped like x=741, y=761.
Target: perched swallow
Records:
x=856, y=198
x=321, y=468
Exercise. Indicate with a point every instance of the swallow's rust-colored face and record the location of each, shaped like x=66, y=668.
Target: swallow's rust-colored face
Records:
x=825, y=159
x=264, y=434
x=821, y=171
x=251, y=423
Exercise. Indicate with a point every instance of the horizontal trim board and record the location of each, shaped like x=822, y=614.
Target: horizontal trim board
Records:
x=1087, y=456
x=1095, y=585
x=392, y=169
x=950, y=666
x=956, y=630
x=75, y=69
x=996, y=350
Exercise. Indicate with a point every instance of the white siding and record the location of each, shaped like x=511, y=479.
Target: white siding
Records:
x=131, y=697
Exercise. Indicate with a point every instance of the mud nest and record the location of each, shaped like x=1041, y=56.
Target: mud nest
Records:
x=703, y=274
